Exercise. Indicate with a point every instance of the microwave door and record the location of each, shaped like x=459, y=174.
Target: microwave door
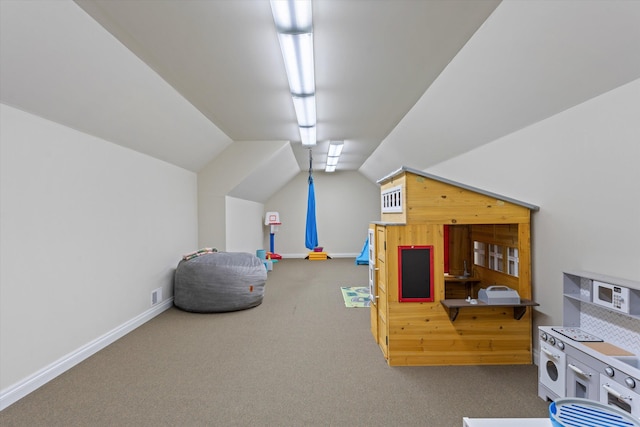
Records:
x=605, y=294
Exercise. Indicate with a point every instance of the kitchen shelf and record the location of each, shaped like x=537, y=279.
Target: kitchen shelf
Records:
x=577, y=288
x=578, y=297
x=453, y=306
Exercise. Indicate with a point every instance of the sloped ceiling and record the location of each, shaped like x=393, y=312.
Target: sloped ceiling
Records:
x=402, y=82
x=57, y=63
x=529, y=61
x=255, y=187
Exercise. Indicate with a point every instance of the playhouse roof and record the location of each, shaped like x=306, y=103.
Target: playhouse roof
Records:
x=457, y=184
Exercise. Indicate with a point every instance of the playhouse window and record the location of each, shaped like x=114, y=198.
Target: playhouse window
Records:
x=495, y=258
x=391, y=200
x=512, y=261
x=479, y=254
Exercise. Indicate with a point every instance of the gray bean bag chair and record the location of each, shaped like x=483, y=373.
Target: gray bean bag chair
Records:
x=219, y=282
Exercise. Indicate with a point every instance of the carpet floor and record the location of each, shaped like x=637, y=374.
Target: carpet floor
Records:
x=298, y=359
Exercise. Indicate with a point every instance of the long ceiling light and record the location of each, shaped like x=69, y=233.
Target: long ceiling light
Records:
x=294, y=23
x=308, y=135
x=297, y=51
x=292, y=16
x=333, y=155
x=305, y=109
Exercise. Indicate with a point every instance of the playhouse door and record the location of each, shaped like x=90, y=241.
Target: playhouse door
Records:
x=381, y=276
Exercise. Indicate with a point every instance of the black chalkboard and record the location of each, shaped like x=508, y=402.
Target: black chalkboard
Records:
x=416, y=273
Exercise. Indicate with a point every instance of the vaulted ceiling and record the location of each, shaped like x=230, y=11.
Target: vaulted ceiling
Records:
x=182, y=80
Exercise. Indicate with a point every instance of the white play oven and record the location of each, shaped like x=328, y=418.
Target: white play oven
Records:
x=595, y=354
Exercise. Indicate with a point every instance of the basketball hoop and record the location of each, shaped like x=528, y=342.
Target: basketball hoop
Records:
x=275, y=226
x=272, y=219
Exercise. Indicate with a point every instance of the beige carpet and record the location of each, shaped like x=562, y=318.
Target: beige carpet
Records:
x=299, y=359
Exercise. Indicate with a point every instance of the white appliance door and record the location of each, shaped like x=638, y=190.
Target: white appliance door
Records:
x=552, y=369
x=582, y=380
x=614, y=394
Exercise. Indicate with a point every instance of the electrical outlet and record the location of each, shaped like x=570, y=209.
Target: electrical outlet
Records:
x=156, y=296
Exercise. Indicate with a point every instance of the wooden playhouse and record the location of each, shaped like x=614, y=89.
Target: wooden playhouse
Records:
x=437, y=246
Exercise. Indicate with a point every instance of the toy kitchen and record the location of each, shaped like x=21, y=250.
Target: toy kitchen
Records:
x=595, y=354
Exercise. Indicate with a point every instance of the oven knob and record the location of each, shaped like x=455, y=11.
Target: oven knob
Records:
x=630, y=382
x=543, y=336
x=552, y=340
x=560, y=345
x=609, y=371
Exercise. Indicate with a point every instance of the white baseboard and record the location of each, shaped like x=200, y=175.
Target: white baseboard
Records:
x=19, y=390
x=332, y=255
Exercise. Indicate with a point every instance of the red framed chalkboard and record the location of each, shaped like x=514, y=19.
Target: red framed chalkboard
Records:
x=415, y=273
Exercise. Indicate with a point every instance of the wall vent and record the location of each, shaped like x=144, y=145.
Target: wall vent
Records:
x=156, y=296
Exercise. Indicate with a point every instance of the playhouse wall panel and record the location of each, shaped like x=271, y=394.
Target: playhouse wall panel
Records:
x=438, y=202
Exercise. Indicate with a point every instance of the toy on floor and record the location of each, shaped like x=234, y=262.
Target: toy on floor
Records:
x=272, y=219
x=363, y=258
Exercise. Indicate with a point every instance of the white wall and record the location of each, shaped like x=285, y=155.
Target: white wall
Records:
x=346, y=202
x=581, y=167
x=244, y=228
x=224, y=174
x=89, y=229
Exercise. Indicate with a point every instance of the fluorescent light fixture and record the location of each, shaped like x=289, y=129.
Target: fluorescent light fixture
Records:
x=294, y=23
x=335, y=148
x=308, y=135
x=297, y=51
x=333, y=155
x=292, y=16
x=305, y=110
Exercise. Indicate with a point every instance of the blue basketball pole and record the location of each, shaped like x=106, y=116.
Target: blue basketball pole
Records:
x=272, y=243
